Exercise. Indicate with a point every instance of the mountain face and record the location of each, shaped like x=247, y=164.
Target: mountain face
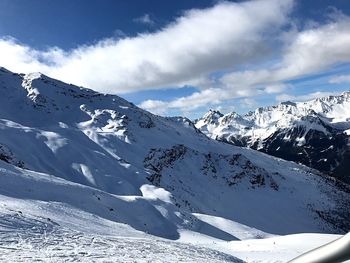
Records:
x=315, y=133
x=70, y=155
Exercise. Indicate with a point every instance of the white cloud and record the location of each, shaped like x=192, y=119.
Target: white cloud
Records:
x=275, y=88
x=300, y=98
x=21, y=58
x=198, y=99
x=155, y=106
x=208, y=97
x=225, y=109
x=340, y=79
x=312, y=51
x=248, y=103
x=145, y=19
x=196, y=44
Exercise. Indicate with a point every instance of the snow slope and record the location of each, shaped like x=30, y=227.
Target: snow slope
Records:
x=46, y=218
x=313, y=133
x=42, y=219
x=92, y=171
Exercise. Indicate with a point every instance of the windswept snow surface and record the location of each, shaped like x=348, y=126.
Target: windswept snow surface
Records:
x=57, y=230
x=86, y=176
x=43, y=218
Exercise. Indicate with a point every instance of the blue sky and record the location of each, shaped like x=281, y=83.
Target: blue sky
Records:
x=184, y=57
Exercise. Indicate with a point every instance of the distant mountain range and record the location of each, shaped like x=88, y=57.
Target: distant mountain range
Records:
x=315, y=133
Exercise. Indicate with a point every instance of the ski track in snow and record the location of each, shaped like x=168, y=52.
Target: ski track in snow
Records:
x=44, y=243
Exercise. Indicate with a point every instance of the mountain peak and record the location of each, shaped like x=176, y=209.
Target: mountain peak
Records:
x=282, y=129
x=216, y=112
x=50, y=100
x=212, y=116
x=288, y=103
x=346, y=94
x=4, y=70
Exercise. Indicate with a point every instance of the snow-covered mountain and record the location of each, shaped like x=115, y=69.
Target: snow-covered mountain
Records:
x=93, y=171
x=315, y=133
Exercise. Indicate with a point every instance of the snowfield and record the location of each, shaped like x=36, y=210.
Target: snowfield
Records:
x=69, y=246
x=52, y=232
x=83, y=237
x=91, y=177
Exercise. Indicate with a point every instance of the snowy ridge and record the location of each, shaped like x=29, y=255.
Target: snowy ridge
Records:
x=92, y=171
x=333, y=111
x=292, y=129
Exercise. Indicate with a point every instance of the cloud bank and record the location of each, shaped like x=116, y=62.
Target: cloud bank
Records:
x=310, y=51
x=340, y=79
x=195, y=44
x=301, y=98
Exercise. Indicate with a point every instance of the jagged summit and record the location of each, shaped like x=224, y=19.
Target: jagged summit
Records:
x=290, y=103
x=212, y=116
x=313, y=132
x=49, y=99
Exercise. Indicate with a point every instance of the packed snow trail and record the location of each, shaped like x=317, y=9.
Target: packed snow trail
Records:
x=72, y=246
